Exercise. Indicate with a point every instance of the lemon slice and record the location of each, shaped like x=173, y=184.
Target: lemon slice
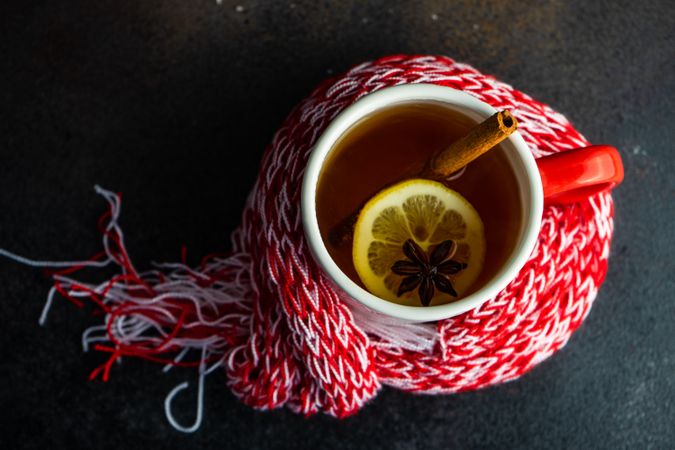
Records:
x=428, y=213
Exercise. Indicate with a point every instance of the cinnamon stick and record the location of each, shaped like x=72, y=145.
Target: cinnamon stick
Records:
x=478, y=140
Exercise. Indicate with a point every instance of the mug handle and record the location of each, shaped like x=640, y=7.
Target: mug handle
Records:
x=574, y=175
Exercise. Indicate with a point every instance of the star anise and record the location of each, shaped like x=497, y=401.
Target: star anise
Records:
x=425, y=271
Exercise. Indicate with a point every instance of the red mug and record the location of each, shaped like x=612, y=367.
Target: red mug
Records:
x=564, y=177
x=574, y=175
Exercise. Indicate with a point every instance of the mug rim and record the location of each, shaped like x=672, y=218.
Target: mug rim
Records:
x=532, y=199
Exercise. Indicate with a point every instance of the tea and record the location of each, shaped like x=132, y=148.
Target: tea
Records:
x=394, y=144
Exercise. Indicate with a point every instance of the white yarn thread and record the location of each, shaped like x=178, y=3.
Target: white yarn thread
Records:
x=48, y=304
x=200, y=400
x=391, y=332
x=35, y=263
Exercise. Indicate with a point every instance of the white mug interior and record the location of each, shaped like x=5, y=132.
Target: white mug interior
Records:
x=517, y=153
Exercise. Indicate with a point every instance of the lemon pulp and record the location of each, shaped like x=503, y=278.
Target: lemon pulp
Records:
x=427, y=212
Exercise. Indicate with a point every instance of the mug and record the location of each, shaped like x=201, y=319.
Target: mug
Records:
x=563, y=177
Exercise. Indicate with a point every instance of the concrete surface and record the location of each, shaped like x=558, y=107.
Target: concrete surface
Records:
x=156, y=98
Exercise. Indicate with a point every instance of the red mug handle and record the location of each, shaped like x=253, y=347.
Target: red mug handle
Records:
x=574, y=175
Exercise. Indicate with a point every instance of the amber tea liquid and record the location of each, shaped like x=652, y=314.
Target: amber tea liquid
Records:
x=394, y=144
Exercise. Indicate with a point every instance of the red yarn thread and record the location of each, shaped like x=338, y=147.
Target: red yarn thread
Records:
x=282, y=333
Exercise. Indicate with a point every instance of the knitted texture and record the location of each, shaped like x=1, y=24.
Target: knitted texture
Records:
x=285, y=336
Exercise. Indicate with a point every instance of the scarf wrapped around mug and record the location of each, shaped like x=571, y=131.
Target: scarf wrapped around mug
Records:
x=271, y=324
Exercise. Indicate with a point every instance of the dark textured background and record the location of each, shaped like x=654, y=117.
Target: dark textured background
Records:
x=157, y=98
